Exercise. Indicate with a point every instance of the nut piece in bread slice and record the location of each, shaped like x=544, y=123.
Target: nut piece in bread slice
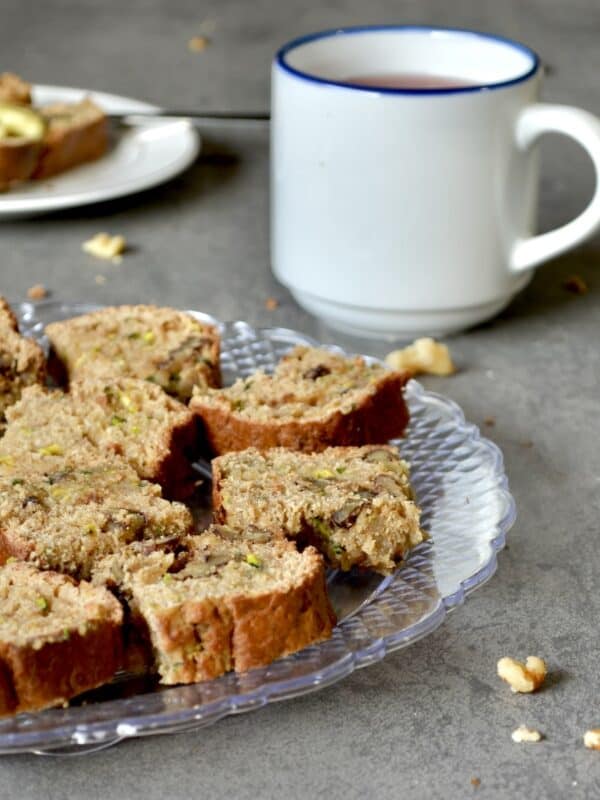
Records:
x=160, y=345
x=14, y=89
x=67, y=519
x=57, y=638
x=22, y=361
x=354, y=504
x=124, y=420
x=223, y=600
x=314, y=399
x=75, y=134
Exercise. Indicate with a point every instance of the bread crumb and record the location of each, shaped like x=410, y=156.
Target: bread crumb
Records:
x=37, y=292
x=271, y=303
x=521, y=677
x=423, y=356
x=475, y=782
x=591, y=739
x=100, y=280
x=575, y=284
x=489, y=421
x=525, y=734
x=103, y=245
x=198, y=43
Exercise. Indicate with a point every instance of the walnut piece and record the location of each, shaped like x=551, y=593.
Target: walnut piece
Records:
x=198, y=43
x=37, y=292
x=271, y=303
x=423, y=356
x=525, y=734
x=521, y=677
x=103, y=245
x=591, y=739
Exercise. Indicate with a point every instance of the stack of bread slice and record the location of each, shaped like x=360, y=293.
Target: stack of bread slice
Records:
x=304, y=480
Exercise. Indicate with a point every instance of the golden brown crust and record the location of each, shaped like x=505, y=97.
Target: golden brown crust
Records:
x=52, y=674
x=38, y=670
x=68, y=146
x=382, y=416
x=18, y=160
x=274, y=625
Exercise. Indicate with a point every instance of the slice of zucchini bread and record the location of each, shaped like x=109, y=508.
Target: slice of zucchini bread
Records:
x=126, y=419
x=22, y=361
x=222, y=600
x=355, y=504
x=57, y=638
x=314, y=399
x=75, y=134
x=134, y=419
x=68, y=518
x=161, y=345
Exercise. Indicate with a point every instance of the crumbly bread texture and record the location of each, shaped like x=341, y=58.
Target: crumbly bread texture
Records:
x=354, y=504
x=75, y=133
x=57, y=638
x=134, y=419
x=14, y=89
x=223, y=600
x=125, y=419
x=160, y=345
x=314, y=399
x=22, y=361
x=67, y=519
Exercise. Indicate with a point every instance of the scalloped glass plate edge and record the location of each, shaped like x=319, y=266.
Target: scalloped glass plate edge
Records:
x=425, y=587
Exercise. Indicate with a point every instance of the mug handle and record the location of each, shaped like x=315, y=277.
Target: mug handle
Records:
x=584, y=128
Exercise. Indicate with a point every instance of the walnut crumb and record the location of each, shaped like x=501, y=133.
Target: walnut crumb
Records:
x=37, y=292
x=489, y=421
x=423, y=356
x=591, y=739
x=521, y=677
x=271, y=303
x=103, y=245
x=198, y=43
x=575, y=284
x=475, y=782
x=525, y=734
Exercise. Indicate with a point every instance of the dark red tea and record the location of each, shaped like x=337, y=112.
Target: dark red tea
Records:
x=408, y=80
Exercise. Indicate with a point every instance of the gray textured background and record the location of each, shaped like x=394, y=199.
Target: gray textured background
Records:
x=425, y=721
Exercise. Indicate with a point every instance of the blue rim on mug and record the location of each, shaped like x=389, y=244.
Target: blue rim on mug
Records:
x=280, y=59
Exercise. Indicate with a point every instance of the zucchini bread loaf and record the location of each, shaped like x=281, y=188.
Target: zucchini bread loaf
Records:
x=22, y=361
x=161, y=345
x=57, y=638
x=69, y=518
x=126, y=419
x=354, y=504
x=222, y=600
x=314, y=399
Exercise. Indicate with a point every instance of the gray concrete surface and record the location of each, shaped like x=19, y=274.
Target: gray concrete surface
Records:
x=426, y=721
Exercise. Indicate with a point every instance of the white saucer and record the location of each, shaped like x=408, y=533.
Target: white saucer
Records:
x=140, y=157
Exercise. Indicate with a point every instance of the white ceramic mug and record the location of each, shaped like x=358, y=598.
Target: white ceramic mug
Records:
x=395, y=211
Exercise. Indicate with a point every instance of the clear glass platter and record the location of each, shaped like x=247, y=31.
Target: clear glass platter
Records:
x=466, y=507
